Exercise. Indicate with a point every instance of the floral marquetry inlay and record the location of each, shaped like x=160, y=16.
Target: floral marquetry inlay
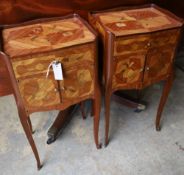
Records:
x=136, y=21
x=33, y=47
x=46, y=36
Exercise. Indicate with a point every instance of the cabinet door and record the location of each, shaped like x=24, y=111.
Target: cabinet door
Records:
x=78, y=83
x=128, y=70
x=160, y=55
x=39, y=93
x=159, y=63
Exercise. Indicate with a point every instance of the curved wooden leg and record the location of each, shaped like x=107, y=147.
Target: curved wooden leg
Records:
x=30, y=125
x=165, y=93
x=96, y=118
x=82, y=107
x=107, y=116
x=28, y=133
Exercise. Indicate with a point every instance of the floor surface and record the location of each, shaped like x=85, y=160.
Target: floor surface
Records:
x=135, y=147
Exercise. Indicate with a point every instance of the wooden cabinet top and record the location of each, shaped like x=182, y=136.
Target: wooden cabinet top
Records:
x=46, y=36
x=139, y=20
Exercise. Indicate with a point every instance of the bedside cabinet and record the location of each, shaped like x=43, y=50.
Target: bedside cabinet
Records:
x=33, y=48
x=139, y=48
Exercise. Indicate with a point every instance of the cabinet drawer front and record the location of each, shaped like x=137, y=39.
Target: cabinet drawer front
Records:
x=125, y=45
x=78, y=82
x=159, y=64
x=38, y=64
x=38, y=92
x=163, y=38
x=128, y=70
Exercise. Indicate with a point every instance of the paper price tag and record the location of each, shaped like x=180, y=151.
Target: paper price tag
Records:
x=57, y=68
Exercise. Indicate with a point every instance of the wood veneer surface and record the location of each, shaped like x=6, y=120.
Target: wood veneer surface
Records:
x=134, y=21
x=33, y=47
x=46, y=36
x=12, y=12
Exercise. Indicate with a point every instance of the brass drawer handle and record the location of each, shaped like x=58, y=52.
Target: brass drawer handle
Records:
x=56, y=90
x=148, y=44
x=141, y=70
x=147, y=68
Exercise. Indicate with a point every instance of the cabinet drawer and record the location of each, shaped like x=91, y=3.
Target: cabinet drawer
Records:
x=38, y=92
x=167, y=37
x=78, y=82
x=124, y=45
x=38, y=64
x=128, y=70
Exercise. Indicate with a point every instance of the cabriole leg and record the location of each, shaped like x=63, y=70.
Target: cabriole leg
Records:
x=30, y=124
x=165, y=93
x=97, y=106
x=107, y=116
x=28, y=133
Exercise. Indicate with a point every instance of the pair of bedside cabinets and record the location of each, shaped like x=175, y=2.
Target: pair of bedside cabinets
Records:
x=139, y=45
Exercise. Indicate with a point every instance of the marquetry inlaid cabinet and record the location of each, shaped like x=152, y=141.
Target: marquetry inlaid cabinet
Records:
x=139, y=47
x=29, y=50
